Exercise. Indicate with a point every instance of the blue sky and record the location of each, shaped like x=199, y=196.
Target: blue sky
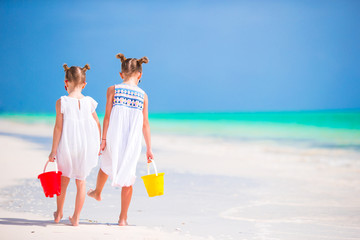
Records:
x=205, y=56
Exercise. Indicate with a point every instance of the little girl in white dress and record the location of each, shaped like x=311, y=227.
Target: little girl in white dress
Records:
x=76, y=138
x=124, y=135
x=125, y=121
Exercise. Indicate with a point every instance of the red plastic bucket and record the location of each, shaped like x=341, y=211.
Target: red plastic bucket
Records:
x=51, y=181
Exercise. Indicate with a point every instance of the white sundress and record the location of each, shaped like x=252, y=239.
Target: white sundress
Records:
x=79, y=144
x=124, y=135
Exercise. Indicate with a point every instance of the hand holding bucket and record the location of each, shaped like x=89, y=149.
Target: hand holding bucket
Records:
x=51, y=181
x=154, y=183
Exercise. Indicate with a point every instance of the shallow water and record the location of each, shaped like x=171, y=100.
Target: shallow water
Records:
x=330, y=129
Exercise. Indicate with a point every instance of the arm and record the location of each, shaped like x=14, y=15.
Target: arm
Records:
x=146, y=130
x=109, y=103
x=57, y=131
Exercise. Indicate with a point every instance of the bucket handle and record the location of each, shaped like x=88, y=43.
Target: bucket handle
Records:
x=56, y=166
x=148, y=168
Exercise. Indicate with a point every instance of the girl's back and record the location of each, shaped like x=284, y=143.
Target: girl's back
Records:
x=76, y=138
x=79, y=143
x=129, y=96
x=77, y=109
x=125, y=120
x=124, y=135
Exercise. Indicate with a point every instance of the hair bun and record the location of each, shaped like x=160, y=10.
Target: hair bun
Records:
x=143, y=60
x=65, y=66
x=86, y=67
x=121, y=57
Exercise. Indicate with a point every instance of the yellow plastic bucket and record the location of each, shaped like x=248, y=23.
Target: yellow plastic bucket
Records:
x=154, y=183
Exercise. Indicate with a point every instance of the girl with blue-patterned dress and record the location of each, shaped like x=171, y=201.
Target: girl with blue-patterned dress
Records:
x=125, y=121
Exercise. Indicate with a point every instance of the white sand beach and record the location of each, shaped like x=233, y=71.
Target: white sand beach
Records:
x=214, y=189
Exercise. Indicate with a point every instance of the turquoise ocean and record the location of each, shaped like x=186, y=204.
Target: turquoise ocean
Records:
x=329, y=129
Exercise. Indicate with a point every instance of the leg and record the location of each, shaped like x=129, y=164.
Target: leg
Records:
x=126, y=193
x=61, y=199
x=101, y=180
x=79, y=202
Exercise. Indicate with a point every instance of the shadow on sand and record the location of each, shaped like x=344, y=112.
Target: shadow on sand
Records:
x=25, y=222
x=44, y=223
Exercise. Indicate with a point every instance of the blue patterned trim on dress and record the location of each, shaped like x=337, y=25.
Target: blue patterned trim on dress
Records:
x=129, y=92
x=128, y=98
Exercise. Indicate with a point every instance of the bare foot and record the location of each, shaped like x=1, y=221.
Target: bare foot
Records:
x=74, y=222
x=57, y=217
x=123, y=223
x=93, y=194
